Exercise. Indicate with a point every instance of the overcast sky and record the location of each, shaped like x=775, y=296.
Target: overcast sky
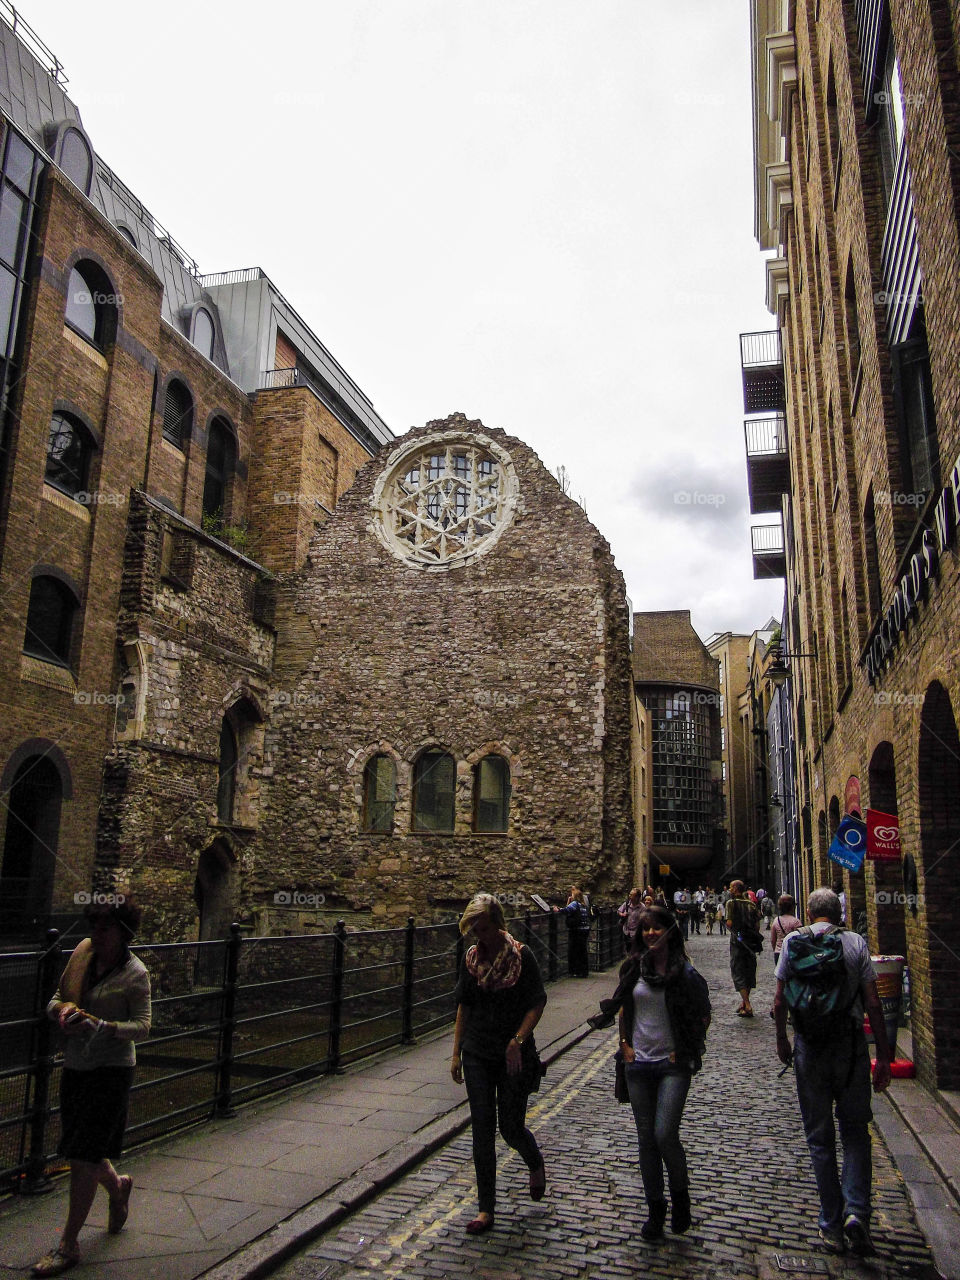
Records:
x=538, y=212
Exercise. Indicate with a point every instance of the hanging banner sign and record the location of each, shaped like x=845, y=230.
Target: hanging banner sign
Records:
x=851, y=796
x=883, y=836
x=849, y=844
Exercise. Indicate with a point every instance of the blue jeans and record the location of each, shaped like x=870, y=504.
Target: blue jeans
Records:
x=838, y=1074
x=494, y=1094
x=658, y=1092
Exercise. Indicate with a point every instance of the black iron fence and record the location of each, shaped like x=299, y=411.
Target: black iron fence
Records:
x=242, y=1017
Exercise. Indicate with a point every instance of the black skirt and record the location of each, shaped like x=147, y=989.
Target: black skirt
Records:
x=93, y=1112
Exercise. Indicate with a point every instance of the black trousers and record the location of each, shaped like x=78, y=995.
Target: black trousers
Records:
x=496, y=1096
x=578, y=958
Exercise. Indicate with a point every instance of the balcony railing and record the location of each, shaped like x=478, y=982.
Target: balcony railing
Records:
x=761, y=360
x=270, y=379
x=765, y=436
x=767, y=539
x=760, y=349
x=768, y=468
x=769, y=557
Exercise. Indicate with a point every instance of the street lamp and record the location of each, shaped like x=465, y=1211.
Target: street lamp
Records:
x=778, y=672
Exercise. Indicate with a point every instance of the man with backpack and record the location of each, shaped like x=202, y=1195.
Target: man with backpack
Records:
x=826, y=980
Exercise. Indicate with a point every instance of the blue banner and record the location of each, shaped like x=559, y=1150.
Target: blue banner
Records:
x=849, y=844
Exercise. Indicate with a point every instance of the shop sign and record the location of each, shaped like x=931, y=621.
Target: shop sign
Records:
x=923, y=566
x=883, y=836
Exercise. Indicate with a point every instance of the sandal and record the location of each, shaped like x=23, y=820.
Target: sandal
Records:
x=744, y=1013
x=56, y=1262
x=480, y=1224
x=538, y=1182
x=120, y=1208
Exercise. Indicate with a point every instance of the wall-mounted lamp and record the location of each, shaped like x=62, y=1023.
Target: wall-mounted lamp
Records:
x=779, y=671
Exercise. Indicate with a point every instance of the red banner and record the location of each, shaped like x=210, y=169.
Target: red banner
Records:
x=883, y=836
x=851, y=796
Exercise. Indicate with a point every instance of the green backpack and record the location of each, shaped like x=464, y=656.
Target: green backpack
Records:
x=814, y=986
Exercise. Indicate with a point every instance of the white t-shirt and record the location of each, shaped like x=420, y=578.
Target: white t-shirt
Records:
x=652, y=1036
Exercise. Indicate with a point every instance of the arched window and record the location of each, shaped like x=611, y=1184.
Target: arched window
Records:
x=434, y=789
x=203, y=332
x=491, y=794
x=30, y=845
x=127, y=234
x=379, y=794
x=177, y=414
x=221, y=460
x=227, y=772
x=50, y=620
x=91, y=304
x=241, y=744
x=76, y=159
x=68, y=454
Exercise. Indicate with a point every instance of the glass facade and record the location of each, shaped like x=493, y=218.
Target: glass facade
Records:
x=682, y=792
x=20, y=170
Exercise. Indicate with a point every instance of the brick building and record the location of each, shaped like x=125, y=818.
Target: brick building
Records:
x=677, y=681
x=237, y=675
x=853, y=439
x=170, y=441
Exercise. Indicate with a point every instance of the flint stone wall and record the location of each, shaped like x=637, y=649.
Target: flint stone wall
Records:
x=523, y=652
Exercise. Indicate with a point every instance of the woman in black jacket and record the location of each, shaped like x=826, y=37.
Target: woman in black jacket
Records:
x=664, y=1014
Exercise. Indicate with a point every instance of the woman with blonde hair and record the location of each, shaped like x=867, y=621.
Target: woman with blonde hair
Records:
x=500, y=998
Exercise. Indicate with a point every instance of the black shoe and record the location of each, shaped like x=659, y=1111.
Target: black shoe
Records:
x=652, y=1229
x=679, y=1212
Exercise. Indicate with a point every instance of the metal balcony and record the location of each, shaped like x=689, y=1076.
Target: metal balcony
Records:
x=761, y=360
x=769, y=556
x=768, y=467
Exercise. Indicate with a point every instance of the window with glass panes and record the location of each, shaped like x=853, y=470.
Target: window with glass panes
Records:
x=680, y=741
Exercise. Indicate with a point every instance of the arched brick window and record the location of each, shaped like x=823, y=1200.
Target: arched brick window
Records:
x=434, y=790
x=30, y=845
x=91, y=304
x=491, y=794
x=177, y=414
x=68, y=454
x=379, y=794
x=50, y=616
x=221, y=462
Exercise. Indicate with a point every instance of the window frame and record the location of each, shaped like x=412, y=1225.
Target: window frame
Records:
x=368, y=824
x=505, y=789
x=450, y=807
x=89, y=445
x=60, y=652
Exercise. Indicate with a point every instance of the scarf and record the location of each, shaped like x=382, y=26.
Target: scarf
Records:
x=74, y=977
x=648, y=969
x=499, y=973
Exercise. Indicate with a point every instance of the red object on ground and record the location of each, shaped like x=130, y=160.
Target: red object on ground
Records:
x=900, y=1068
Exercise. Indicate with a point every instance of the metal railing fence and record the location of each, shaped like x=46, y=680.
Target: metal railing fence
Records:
x=238, y=1018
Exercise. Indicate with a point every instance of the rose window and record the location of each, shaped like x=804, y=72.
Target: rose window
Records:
x=446, y=500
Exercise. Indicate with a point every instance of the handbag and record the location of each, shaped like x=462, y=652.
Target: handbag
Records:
x=532, y=1071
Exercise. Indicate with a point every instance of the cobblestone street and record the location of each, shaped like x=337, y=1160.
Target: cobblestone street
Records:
x=752, y=1185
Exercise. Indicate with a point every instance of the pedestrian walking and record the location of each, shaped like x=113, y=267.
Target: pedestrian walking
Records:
x=629, y=914
x=664, y=1012
x=500, y=998
x=710, y=903
x=578, y=934
x=786, y=922
x=826, y=979
x=742, y=919
x=768, y=910
x=102, y=1005
x=682, y=903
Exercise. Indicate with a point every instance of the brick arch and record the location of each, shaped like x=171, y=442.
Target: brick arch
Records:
x=938, y=793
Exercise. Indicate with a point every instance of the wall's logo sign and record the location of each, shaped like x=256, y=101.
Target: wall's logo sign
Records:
x=923, y=566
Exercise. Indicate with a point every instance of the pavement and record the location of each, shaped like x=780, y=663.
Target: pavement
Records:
x=371, y=1172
